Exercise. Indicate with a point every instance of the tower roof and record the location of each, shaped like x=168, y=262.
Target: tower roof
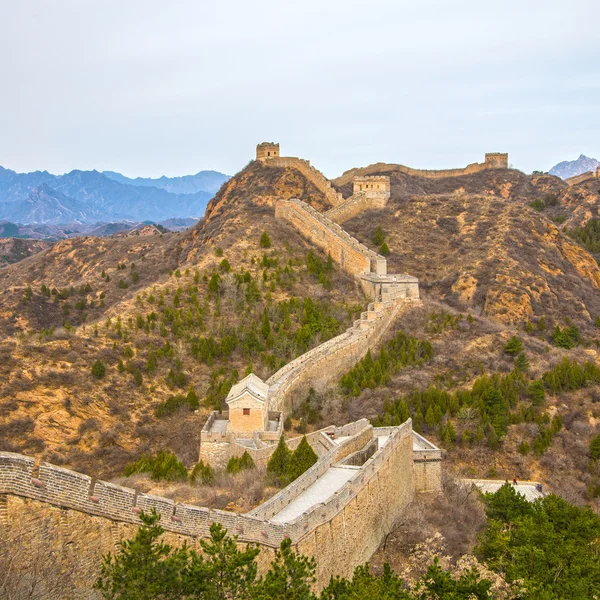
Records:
x=253, y=385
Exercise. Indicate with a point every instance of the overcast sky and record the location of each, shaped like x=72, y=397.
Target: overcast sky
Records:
x=152, y=87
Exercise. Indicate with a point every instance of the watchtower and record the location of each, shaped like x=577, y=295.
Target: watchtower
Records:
x=267, y=150
x=248, y=402
x=373, y=185
x=496, y=160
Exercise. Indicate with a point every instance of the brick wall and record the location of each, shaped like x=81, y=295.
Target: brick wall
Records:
x=87, y=518
x=329, y=361
x=356, y=204
x=313, y=175
x=583, y=177
x=349, y=253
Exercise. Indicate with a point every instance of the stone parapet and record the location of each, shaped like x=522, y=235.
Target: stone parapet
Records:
x=318, y=367
x=583, y=177
x=71, y=490
x=348, y=252
x=427, y=464
x=313, y=175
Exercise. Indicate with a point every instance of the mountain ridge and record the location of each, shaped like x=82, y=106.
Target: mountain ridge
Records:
x=571, y=168
x=88, y=196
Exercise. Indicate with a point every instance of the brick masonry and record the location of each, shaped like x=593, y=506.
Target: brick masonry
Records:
x=583, y=177
x=86, y=518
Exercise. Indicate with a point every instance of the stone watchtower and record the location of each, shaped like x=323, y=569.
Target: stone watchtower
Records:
x=496, y=160
x=266, y=150
x=248, y=402
x=373, y=185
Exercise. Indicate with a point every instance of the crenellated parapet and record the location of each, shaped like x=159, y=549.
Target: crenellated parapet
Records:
x=587, y=176
x=267, y=150
x=496, y=160
x=342, y=527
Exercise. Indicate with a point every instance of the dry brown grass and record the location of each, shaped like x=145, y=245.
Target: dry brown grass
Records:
x=240, y=492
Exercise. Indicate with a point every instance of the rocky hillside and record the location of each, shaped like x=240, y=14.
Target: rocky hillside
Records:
x=162, y=314
x=475, y=243
x=116, y=346
x=13, y=250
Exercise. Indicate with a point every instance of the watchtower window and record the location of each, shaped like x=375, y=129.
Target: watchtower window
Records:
x=246, y=412
x=268, y=154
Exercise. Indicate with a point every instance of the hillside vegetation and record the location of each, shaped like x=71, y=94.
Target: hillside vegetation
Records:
x=119, y=347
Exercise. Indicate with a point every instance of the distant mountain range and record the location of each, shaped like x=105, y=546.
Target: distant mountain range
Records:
x=47, y=231
x=570, y=168
x=204, y=181
x=85, y=197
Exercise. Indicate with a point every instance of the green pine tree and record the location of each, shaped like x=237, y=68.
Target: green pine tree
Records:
x=265, y=324
x=223, y=571
x=98, y=369
x=143, y=567
x=192, y=398
x=278, y=465
x=265, y=240
x=302, y=459
x=514, y=346
x=521, y=362
x=290, y=576
x=595, y=448
x=379, y=236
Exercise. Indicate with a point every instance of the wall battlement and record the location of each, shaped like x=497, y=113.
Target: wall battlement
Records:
x=370, y=192
x=354, y=257
x=267, y=150
x=493, y=160
x=331, y=530
x=496, y=160
x=313, y=175
x=583, y=177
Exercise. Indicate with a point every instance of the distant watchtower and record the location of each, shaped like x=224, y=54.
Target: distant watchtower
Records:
x=372, y=185
x=496, y=160
x=267, y=150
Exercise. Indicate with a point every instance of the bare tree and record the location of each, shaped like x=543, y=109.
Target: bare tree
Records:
x=32, y=566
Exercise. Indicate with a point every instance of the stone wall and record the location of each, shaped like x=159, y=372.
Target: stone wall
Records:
x=427, y=465
x=373, y=502
x=349, y=253
x=329, y=361
x=442, y=173
x=88, y=517
x=356, y=204
x=267, y=150
x=496, y=160
x=583, y=177
x=313, y=175
x=376, y=185
x=361, y=433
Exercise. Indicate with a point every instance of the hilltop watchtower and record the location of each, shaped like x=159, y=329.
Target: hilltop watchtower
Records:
x=496, y=160
x=267, y=150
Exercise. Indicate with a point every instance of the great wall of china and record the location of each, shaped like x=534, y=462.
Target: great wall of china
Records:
x=340, y=509
x=583, y=177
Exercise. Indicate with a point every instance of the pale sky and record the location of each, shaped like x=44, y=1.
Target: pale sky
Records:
x=153, y=87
